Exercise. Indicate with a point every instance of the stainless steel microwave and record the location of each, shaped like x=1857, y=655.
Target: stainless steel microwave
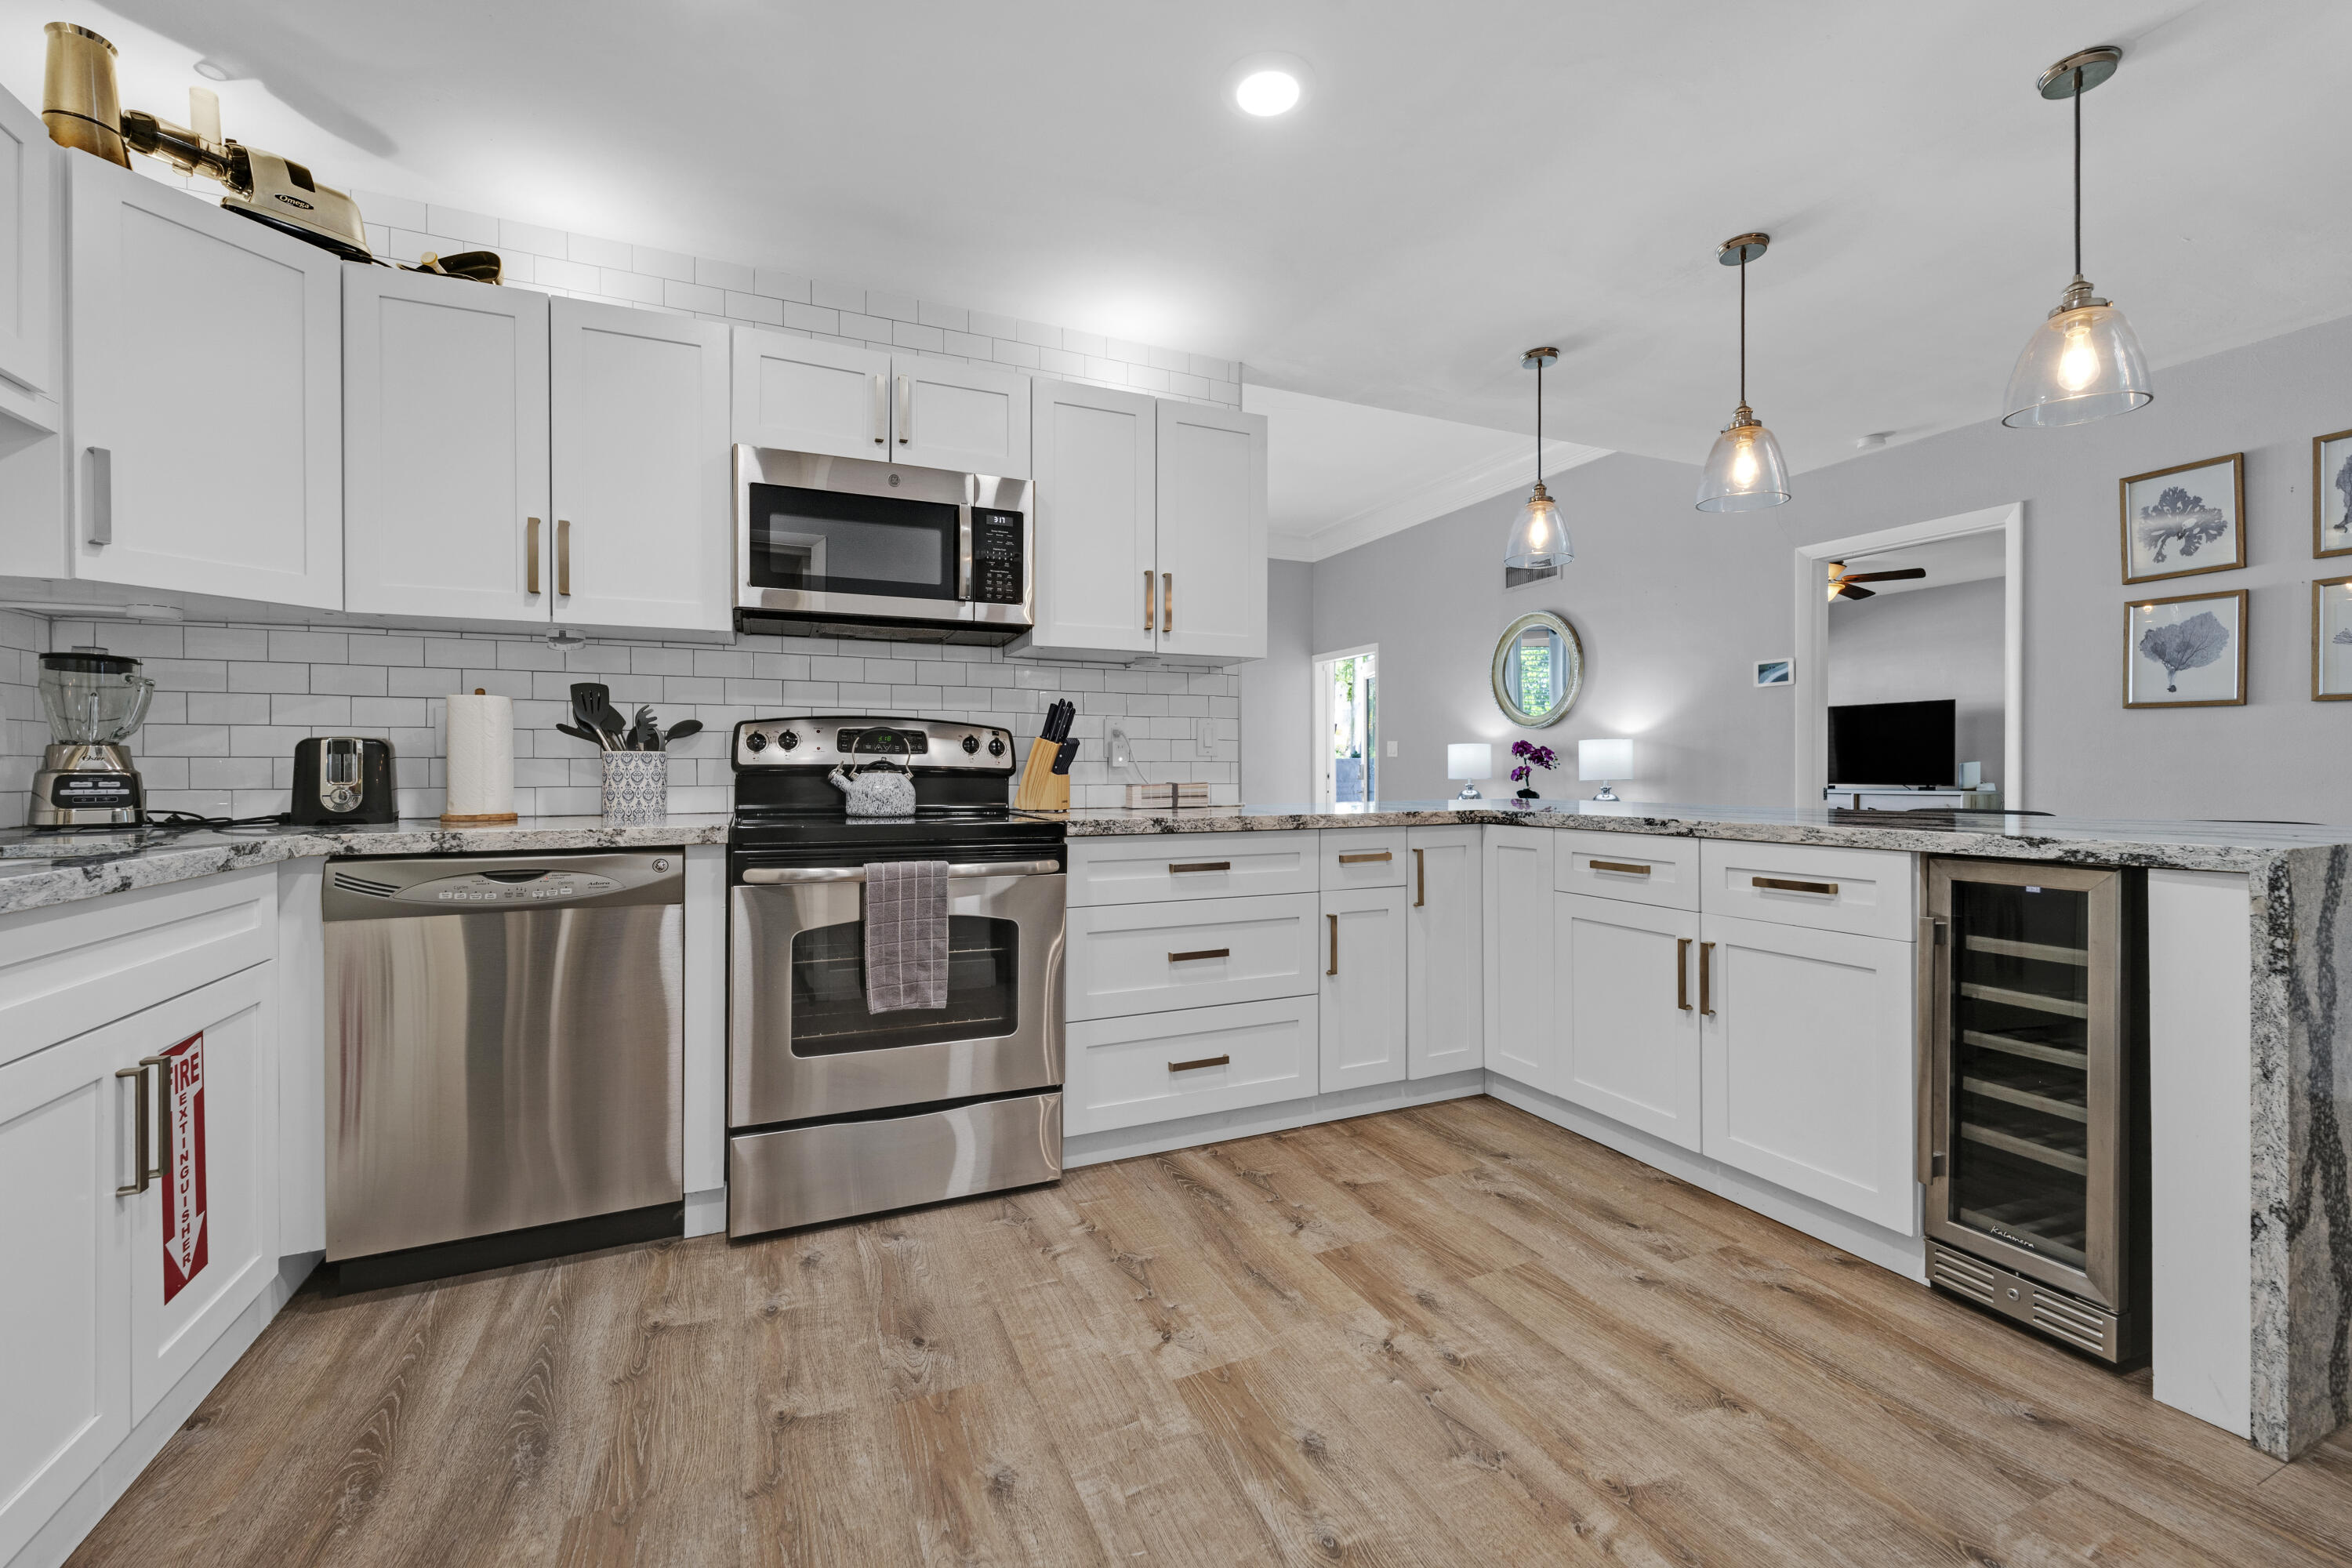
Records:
x=849, y=547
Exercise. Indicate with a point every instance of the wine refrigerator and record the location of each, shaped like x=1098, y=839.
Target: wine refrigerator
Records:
x=2034, y=1099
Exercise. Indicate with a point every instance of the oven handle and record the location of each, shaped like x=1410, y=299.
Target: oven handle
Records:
x=763, y=876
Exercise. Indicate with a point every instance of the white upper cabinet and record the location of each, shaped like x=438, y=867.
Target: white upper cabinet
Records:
x=205, y=358
x=639, y=413
x=1212, y=533
x=28, y=282
x=444, y=447
x=1445, y=1009
x=971, y=418
x=1098, y=518
x=800, y=395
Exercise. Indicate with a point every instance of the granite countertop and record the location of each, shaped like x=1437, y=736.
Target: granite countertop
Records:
x=2185, y=846
x=42, y=868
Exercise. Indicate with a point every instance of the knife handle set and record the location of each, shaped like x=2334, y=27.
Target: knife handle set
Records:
x=1045, y=778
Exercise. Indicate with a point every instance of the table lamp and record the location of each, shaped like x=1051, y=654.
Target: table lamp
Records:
x=1468, y=761
x=1604, y=759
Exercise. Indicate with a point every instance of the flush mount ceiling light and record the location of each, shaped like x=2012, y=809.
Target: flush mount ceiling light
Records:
x=1538, y=540
x=1744, y=471
x=2084, y=362
x=1264, y=85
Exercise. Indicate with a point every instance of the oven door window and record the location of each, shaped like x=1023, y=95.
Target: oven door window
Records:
x=828, y=989
x=828, y=541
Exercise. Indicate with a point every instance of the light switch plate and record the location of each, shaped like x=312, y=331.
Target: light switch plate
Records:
x=1391, y=748
x=1204, y=736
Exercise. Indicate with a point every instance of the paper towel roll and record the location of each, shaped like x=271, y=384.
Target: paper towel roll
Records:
x=481, y=755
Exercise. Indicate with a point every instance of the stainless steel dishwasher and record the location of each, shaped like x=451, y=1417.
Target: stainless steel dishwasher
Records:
x=504, y=1036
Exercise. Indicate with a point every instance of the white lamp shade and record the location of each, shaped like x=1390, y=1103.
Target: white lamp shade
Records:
x=1604, y=759
x=1470, y=760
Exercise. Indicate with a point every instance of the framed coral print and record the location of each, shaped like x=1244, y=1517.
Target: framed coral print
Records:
x=2189, y=652
x=2331, y=494
x=2179, y=522
x=2331, y=639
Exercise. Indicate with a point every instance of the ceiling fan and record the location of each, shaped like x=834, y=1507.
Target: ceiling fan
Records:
x=1841, y=582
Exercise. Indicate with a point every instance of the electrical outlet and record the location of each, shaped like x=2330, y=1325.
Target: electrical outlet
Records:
x=1391, y=748
x=1204, y=736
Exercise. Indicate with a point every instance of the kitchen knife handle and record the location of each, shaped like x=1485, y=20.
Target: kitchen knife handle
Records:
x=1168, y=600
x=1147, y=600
x=906, y=409
x=564, y=556
x=101, y=496
x=530, y=554
x=881, y=412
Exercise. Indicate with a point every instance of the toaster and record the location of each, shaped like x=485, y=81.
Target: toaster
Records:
x=340, y=780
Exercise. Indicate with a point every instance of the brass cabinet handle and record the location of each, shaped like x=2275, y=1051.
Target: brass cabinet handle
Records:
x=881, y=411
x=143, y=1132
x=1784, y=885
x=1706, y=1007
x=1335, y=944
x=1368, y=854
x=564, y=555
x=1203, y=1062
x=1624, y=866
x=1204, y=952
x=1178, y=867
x=1681, y=973
x=101, y=496
x=1420, y=881
x=1166, y=601
x=1147, y=600
x=906, y=409
x=530, y=555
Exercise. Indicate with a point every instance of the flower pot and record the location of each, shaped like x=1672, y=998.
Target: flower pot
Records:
x=636, y=787
x=1529, y=794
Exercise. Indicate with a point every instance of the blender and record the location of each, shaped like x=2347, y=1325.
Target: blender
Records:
x=95, y=702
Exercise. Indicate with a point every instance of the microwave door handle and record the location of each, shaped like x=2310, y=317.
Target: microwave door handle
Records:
x=964, y=556
x=881, y=412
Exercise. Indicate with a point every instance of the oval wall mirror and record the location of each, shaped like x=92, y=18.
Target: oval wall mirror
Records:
x=1538, y=671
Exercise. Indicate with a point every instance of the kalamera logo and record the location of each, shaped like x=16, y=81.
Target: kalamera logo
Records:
x=184, y=1249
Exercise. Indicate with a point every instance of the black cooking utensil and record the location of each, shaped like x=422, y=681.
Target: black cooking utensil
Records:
x=609, y=719
x=642, y=735
x=588, y=735
x=679, y=731
x=589, y=702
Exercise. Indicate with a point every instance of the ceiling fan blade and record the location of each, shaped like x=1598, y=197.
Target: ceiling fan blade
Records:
x=1847, y=590
x=1907, y=572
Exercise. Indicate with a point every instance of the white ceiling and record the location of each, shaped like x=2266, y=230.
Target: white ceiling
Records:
x=1971, y=558
x=1463, y=182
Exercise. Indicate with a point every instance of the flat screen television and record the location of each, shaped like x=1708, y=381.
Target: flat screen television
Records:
x=1906, y=743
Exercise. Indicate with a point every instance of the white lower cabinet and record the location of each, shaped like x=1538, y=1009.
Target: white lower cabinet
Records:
x=1158, y=1066
x=1149, y=958
x=1364, y=1004
x=1809, y=1064
x=1444, y=1005
x=1517, y=865
x=1628, y=1013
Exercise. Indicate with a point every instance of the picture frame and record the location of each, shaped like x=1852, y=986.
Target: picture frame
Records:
x=1776, y=672
x=2331, y=495
x=2331, y=639
x=2184, y=521
x=2205, y=633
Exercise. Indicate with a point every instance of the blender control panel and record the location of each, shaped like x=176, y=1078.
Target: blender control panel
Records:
x=94, y=792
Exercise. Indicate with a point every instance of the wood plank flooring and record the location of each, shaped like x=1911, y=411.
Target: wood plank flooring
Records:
x=1441, y=1336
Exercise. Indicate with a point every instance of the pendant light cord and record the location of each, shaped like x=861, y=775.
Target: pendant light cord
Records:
x=2078, y=170
x=1743, y=326
x=1539, y=370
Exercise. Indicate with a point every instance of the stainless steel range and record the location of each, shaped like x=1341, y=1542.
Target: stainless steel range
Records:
x=834, y=1110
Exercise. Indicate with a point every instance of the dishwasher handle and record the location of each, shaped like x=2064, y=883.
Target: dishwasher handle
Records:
x=768, y=876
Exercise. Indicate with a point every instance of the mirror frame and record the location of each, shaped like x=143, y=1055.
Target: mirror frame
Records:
x=1569, y=640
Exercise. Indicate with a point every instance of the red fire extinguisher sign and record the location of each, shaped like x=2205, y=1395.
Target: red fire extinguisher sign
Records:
x=185, y=1253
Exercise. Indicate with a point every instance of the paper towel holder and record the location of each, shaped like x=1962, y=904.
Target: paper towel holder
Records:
x=487, y=819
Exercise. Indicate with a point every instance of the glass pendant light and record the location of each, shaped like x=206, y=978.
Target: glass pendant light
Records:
x=2084, y=362
x=1744, y=471
x=1538, y=540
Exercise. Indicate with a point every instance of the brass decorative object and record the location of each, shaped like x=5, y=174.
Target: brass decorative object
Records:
x=77, y=100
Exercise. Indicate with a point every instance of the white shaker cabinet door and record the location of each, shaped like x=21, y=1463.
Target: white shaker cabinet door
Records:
x=1212, y=534
x=1521, y=1033
x=1445, y=1009
x=1095, y=571
x=797, y=394
x=444, y=447
x=971, y=418
x=1809, y=1074
x=205, y=355
x=1363, y=1012
x=28, y=238
x=638, y=411
x=64, y=1296
x=1629, y=1018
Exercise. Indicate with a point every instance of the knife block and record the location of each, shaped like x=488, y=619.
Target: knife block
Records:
x=1041, y=788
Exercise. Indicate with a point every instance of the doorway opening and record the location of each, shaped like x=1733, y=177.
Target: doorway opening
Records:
x=1346, y=759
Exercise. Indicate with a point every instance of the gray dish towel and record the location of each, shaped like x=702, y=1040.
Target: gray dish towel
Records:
x=905, y=936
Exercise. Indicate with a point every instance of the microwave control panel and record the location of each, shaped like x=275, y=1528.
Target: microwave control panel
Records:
x=997, y=567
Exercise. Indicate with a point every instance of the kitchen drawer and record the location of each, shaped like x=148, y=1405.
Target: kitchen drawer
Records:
x=1162, y=867
x=1149, y=958
x=1869, y=893
x=1125, y=1072
x=1364, y=858
x=1637, y=868
x=63, y=971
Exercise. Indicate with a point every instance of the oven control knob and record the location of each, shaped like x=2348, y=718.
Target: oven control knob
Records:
x=755, y=741
x=788, y=740
x=971, y=744
x=996, y=746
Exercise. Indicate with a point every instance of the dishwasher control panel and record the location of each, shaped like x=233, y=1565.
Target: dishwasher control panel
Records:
x=360, y=889
x=510, y=887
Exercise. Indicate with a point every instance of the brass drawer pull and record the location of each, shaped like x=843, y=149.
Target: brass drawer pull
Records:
x=1368, y=855
x=1784, y=885
x=1179, y=868
x=1203, y=1062
x=1335, y=944
x=1625, y=867
x=1147, y=615
x=1167, y=603
x=1204, y=952
x=530, y=553
x=1681, y=974
x=563, y=557
x=1420, y=881
x=1705, y=1006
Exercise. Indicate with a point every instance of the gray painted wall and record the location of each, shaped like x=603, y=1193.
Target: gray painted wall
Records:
x=1921, y=646
x=1277, y=705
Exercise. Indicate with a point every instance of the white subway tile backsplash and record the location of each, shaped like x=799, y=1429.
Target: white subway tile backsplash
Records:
x=468, y=228
x=690, y=296
x=755, y=308
x=780, y=285
x=866, y=329
x=725, y=275
x=892, y=307
x=837, y=296
x=912, y=335
x=1007, y=352
x=636, y=288
x=666, y=264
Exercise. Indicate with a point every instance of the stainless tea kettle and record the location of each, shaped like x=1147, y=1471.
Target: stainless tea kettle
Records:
x=878, y=788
